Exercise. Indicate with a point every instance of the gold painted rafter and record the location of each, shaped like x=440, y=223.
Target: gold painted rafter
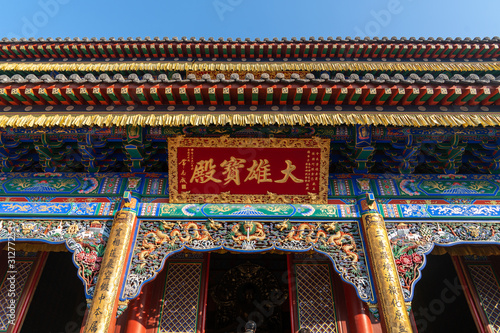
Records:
x=251, y=119
x=340, y=66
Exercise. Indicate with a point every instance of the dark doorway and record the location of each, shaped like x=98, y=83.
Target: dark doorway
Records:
x=439, y=304
x=59, y=304
x=246, y=287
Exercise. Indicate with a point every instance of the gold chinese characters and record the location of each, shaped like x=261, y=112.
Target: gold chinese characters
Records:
x=260, y=171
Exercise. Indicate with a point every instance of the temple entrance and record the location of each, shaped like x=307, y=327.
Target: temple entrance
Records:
x=440, y=299
x=248, y=287
x=215, y=293
x=58, y=281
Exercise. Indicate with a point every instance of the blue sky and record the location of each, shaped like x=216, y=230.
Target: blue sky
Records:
x=249, y=18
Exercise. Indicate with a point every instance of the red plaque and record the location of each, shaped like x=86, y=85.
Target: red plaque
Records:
x=237, y=170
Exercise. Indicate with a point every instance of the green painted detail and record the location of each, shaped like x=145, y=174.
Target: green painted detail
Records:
x=32, y=51
x=57, y=93
x=97, y=93
x=76, y=50
x=154, y=94
x=139, y=92
x=51, y=51
x=110, y=49
x=255, y=95
x=414, y=94
x=371, y=95
x=368, y=50
x=297, y=51
x=399, y=95
x=298, y=95
x=411, y=52
x=125, y=94
x=15, y=51
x=314, y=94
x=457, y=50
x=85, y=95
x=255, y=211
x=458, y=187
x=3, y=94
x=315, y=50
x=111, y=94
x=439, y=51
x=429, y=51
x=29, y=92
x=359, y=52
x=284, y=95
x=38, y=184
x=241, y=96
x=427, y=95
x=136, y=50
x=495, y=97
x=92, y=50
x=356, y=95
x=153, y=50
x=23, y=50
x=341, y=51
x=43, y=92
x=471, y=95
x=17, y=95
x=484, y=51
x=127, y=50
x=327, y=95
x=270, y=94
x=101, y=50
x=162, y=50
x=170, y=50
x=71, y=94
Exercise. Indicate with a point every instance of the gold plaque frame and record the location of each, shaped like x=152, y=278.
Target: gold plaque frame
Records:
x=226, y=197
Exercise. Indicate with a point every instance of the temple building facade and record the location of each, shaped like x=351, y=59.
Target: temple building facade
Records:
x=222, y=186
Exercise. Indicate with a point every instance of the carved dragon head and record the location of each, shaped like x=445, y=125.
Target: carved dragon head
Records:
x=166, y=225
x=285, y=225
x=332, y=227
x=214, y=225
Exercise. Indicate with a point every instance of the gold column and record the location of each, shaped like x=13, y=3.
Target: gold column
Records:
x=390, y=295
x=103, y=307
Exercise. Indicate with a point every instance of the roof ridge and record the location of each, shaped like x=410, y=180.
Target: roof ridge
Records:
x=255, y=40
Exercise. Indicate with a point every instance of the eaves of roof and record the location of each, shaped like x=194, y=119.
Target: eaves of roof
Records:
x=76, y=120
x=249, y=40
x=310, y=78
x=157, y=68
x=403, y=48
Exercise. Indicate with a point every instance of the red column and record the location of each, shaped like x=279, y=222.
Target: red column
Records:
x=204, y=294
x=359, y=320
x=138, y=314
x=84, y=320
x=291, y=293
